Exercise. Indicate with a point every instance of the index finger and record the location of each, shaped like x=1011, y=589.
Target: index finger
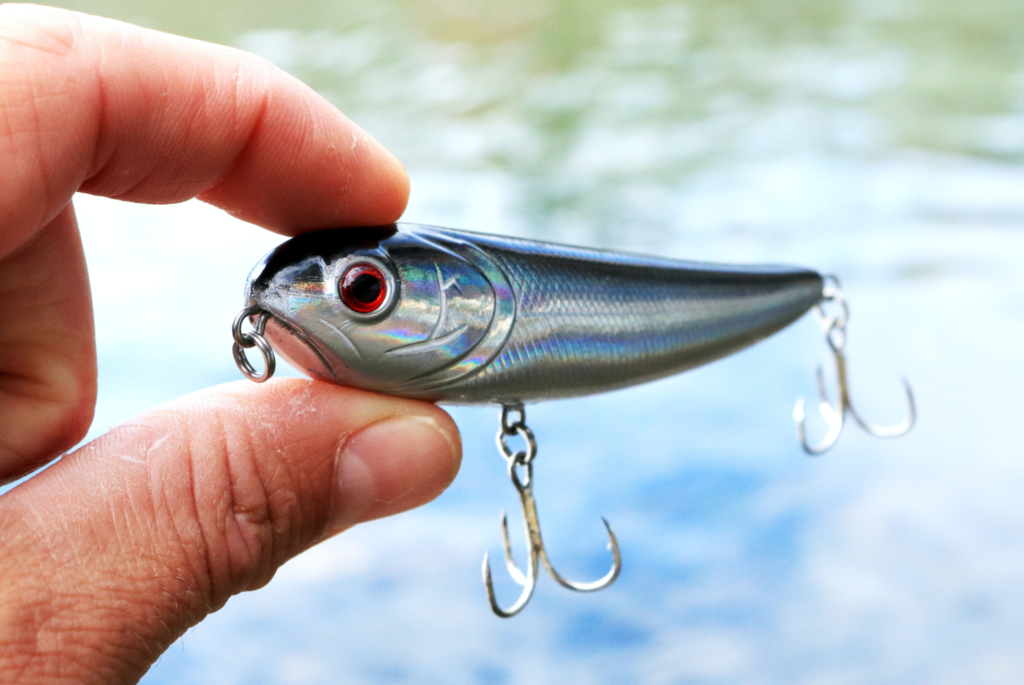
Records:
x=112, y=109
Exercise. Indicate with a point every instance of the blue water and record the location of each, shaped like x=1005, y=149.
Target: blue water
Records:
x=879, y=141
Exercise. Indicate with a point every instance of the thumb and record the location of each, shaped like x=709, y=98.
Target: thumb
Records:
x=110, y=555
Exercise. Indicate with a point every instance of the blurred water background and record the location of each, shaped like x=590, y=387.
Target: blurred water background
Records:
x=881, y=140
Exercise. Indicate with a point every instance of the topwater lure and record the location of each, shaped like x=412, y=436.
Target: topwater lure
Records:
x=459, y=317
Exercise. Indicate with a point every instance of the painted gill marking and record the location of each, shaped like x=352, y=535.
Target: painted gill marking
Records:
x=430, y=343
x=436, y=339
x=344, y=338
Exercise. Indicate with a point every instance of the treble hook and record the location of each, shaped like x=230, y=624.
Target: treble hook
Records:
x=834, y=415
x=537, y=554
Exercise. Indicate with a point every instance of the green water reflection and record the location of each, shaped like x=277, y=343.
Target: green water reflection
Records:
x=596, y=114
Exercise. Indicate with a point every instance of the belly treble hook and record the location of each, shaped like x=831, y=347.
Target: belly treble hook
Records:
x=537, y=554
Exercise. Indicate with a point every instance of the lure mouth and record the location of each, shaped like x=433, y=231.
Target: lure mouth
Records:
x=272, y=334
x=271, y=337
x=296, y=349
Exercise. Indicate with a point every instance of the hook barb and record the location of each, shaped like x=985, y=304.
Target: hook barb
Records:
x=833, y=417
x=595, y=585
x=891, y=431
x=835, y=414
x=530, y=582
x=538, y=554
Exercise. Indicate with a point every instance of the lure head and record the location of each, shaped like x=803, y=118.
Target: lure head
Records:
x=374, y=308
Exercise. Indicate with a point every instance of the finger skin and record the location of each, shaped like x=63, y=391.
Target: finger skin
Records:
x=124, y=112
x=47, y=348
x=111, y=554
x=112, y=109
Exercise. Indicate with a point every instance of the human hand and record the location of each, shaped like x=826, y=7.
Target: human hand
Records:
x=111, y=554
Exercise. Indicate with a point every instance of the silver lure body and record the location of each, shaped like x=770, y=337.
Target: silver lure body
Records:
x=474, y=318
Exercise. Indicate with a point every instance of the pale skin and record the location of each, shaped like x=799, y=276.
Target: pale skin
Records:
x=112, y=553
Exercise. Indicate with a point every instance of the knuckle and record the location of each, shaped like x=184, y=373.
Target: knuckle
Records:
x=45, y=71
x=246, y=498
x=33, y=432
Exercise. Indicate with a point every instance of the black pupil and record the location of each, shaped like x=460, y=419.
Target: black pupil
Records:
x=365, y=288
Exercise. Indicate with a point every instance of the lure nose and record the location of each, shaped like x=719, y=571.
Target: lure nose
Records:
x=251, y=290
x=286, y=340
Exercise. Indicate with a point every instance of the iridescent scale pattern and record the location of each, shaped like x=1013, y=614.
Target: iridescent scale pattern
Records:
x=588, y=321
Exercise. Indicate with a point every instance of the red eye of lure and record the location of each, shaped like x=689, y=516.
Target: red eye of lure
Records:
x=363, y=288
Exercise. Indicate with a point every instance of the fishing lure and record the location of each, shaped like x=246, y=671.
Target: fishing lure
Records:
x=459, y=317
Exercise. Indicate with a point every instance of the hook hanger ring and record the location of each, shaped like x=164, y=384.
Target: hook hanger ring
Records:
x=253, y=338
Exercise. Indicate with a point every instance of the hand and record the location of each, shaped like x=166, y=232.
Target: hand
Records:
x=111, y=554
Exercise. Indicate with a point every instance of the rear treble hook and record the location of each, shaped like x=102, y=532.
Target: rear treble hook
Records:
x=537, y=554
x=834, y=415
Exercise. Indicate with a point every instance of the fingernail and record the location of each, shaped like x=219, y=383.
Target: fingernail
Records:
x=392, y=466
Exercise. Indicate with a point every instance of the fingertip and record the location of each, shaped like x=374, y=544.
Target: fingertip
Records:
x=396, y=193
x=384, y=177
x=121, y=111
x=394, y=465
x=206, y=497
x=390, y=454
x=307, y=166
